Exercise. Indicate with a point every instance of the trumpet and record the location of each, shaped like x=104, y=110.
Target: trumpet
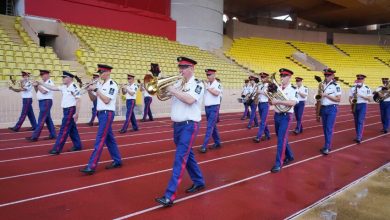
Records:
x=275, y=93
x=85, y=86
x=14, y=84
x=155, y=85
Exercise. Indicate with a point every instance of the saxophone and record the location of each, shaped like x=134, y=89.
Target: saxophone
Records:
x=354, y=100
x=318, y=97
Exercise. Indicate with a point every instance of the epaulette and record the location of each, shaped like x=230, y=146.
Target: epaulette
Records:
x=334, y=83
x=293, y=87
x=305, y=87
x=74, y=85
x=197, y=81
x=112, y=82
x=367, y=87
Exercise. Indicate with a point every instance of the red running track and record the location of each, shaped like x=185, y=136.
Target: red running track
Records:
x=35, y=185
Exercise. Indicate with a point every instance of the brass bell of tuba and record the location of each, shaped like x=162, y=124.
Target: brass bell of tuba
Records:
x=158, y=85
x=275, y=93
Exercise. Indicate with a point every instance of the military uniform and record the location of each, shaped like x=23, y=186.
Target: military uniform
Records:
x=384, y=108
x=263, y=107
x=300, y=107
x=130, y=104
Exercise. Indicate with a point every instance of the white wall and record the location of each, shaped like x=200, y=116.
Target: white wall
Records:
x=198, y=22
x=19, y=8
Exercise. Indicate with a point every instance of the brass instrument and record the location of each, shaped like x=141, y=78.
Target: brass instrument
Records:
x=318, y=97
x=354, y=100
x=155, y=85
x=14, y=84
x=382, y=95
x=275, y=93
x=84, y=87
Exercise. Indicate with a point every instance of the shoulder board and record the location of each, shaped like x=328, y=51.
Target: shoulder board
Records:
x=293, y=87
x=367, y=87
x=353, y=86
x=197, y=80
x=334, y=83
x=74, y=85
x=305, y=87
x=49, y=81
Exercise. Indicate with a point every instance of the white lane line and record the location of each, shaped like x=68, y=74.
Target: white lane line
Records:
x=303, y=211
x=147, y=142
x=166, y=170
x=223, y=118
x=237, y=182
x=139, y=134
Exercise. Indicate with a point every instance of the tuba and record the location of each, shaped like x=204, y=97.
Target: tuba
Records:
x=382, y=95
x=275, y=93
x=158, y=85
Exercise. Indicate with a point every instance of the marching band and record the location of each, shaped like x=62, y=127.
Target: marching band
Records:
x=187, y=94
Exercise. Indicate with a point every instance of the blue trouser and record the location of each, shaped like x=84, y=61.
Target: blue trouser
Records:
x=246, y=110
x=328, y=117
x=94, y=112
x=44, y=117
x=282, y=125
x=385, y=114
x=130, y=116
x=212, y=113
x=253, y=115
x=105, y=136
x=147, y=110
x=298, y=111
x=360, y=116
x=28, y=111
x=68, y=128
x=263, y=112
x=184, y=135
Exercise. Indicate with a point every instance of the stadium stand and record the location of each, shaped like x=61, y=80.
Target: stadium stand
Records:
x=23, y=54
x=131, y=52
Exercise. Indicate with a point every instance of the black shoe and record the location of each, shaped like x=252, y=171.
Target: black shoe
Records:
x=135, y=129
x=296, y=132
x=275, y=169
x=325, y=151
x=164, y=201
x=256, y=125
x=32, y=129
x=264, y=138
x=357, y=141
x=122, y=131
x=12, y=129
x=256, y=140
x=203, y=150
x=194, y=188
x=31, y=139
x=54, y=152
x=87, y=170
x=143, y=120
x=286, y=161
x=215, y=146
x=90, y=124
x=243, y=118
x=385, y=131
x=249, y=127
x=49, y=138
x=113, y=165
x=151, y=119
x=74, y=149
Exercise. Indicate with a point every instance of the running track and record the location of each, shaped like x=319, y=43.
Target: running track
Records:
x=34, y=185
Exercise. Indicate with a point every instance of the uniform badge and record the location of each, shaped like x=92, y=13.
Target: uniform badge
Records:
x=198, y=89
x=338, y=89
x=219, y=86
x=111, y=92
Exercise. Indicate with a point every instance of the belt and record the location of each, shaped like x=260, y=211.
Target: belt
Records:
x=183, y=123
x=263, y=102
x=212, y=105
x=282, y=113
x=334, y=105
x=44, y=99
x=105, y=111
x=70, y=107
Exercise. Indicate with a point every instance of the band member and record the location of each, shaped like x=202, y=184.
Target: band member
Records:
x=283, y=119
x=244, y=93
x=70, y=104
x=147, y=102
x=45, y=99
x=384, y=105
x=253, y=103
x=186, y=115
x=263, y=109
x=106, y=94
x=95, y=76
x=363, y=94
x=212, y=101
x=130, y=90
x=330, y=98
x=302, y=91
x=27, y=110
